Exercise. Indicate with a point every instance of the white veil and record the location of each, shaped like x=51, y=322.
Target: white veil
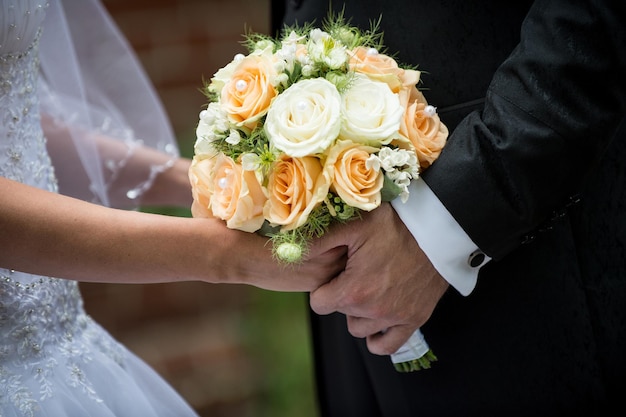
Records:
x=92, y=86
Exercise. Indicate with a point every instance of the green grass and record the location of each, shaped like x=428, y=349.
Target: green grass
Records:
x=278, y=338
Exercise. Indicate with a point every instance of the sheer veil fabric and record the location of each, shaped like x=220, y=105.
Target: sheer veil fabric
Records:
x=92, y=81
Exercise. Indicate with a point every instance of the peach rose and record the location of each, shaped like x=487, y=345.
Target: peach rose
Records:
x=247, y=95
x=377, y=66
x=353, y=179
x=422, y=127
x=201, y=186
x=295, y=187
x=409, y=79
x=224, y=190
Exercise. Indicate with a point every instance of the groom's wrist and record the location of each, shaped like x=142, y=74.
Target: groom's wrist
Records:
x=455, y=256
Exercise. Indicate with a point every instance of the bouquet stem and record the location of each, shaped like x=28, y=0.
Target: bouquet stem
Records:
x=414, y=355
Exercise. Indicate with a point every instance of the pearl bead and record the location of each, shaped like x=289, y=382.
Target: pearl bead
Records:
x=241, y=85
x=430, y=111
x=372, y=51
x=302, y=105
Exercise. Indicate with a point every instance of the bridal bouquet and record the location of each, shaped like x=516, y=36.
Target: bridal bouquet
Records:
x=308, y=130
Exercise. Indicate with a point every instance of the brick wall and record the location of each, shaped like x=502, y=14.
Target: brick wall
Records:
x=189, y=332
x=181, y=41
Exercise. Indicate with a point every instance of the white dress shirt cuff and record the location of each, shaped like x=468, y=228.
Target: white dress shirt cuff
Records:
x=445, y=243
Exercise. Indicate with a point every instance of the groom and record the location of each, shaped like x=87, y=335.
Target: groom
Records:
x=511, y=254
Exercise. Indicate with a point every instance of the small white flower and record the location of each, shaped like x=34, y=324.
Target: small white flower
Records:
x=293, y=39
x=318, y=35
x=234, y=138
x=213, y=125
x=250, y=161
x=373, y=162
x=281, y=79
x=280, y=66
x=207, y=117
x=401, y=166
x=324, y=49
x=203, y=145
x=337, y=57
x=305, y=60
x=286, y=56
x=307, y=70
x=391, y=158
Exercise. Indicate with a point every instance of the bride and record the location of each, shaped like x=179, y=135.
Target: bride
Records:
x=83, y=132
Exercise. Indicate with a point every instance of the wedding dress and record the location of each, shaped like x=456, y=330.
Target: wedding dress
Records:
x=54, y=359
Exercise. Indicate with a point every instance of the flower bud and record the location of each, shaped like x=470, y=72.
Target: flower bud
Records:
x=289, y=252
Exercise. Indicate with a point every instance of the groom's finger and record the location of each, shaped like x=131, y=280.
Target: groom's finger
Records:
x=325, y=299
x=388, y=342
x=362, y=327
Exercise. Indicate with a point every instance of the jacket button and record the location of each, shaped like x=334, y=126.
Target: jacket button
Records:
x=476, y=259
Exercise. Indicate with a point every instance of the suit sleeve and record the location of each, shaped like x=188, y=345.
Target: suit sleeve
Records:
x=551, y=109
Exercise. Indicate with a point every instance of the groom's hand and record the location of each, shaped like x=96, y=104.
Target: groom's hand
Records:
x=388, y=289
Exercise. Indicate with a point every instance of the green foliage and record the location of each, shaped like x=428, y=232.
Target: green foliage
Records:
x=278, y=340
x=334, y=210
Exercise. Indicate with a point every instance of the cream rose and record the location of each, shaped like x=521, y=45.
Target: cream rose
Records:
x=422, y=127
x=353, y=179
x=224, y=190
x=247, y=94
x=305, y=118
x=295, y=187
x=371, y=112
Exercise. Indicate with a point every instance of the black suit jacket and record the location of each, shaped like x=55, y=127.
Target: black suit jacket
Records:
x=535, y=172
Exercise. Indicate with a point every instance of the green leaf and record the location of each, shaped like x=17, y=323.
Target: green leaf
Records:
x=390, y=190
x=268, y=230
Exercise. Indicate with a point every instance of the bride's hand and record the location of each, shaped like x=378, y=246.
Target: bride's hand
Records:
x=246, y=258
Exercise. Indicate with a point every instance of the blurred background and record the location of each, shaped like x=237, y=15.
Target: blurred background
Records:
x=229, y=350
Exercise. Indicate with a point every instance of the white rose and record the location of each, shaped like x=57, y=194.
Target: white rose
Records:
x=305, y=119
x=371, y=112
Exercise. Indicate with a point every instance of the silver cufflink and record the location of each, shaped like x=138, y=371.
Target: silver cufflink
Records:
x=476, y=259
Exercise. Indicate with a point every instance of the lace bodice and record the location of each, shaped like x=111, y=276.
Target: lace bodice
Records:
x=38, y=315
x=23, y=156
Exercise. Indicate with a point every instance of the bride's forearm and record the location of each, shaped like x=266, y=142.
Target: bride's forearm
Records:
x=50, y=234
